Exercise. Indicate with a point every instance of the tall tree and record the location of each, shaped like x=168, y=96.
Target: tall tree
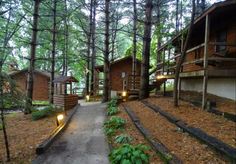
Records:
x=183, y=55
x=54, y=32
x=144, y=91
x=65, y=47
x=134, y=40
x=30, y=81
x=89, y=34
x=93, y=58
x=106, y=87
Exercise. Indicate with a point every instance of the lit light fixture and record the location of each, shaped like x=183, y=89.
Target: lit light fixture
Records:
x=124, y=93
x=60, y=118
x=87, y=97
x=160, y=77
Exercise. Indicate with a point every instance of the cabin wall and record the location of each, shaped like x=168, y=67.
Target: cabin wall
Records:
x=116, y=71
x=223, y=87
x=230, y=27
x=40, y=88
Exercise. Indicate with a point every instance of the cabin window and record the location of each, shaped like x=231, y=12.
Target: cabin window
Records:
x=221, y=38
x=123, y=74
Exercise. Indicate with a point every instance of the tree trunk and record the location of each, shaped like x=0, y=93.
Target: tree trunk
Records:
x=2, y=114
x=177, y=17
x=65, y=50
x=182, y=57
x=89, y=46
x=134, y=42
x=144, y=91
x=30, y=81
x=106, y=87
x=93, y=59
x=54, y=31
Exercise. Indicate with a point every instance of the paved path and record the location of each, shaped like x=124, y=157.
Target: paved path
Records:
x=83, y=141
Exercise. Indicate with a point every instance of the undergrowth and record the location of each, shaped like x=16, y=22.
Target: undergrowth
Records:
x=47, y=111
x=113, y=124
x=130, y=154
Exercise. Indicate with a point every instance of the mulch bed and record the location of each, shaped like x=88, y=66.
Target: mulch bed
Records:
x=212, y=124
x=222, y=104
x=24, y=135
x=131, y=130
x=185, y=147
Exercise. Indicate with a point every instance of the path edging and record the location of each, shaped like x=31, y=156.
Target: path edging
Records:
x=211, y=141
x=156, y=145
x=43, y=146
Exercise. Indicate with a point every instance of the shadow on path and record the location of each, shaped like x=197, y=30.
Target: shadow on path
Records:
x=83, y=141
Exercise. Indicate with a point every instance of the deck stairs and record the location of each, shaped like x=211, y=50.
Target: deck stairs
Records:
x=133, y=85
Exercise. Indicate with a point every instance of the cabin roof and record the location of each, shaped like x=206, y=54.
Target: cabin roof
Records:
x=44, y=73
x=100, y=67
x=214, y=11
x=65, y=79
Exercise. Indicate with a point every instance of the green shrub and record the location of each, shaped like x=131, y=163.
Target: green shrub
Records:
x=123, y=139
x=113, y=124
x=47, y=111
x=112, y=111
x=129, y=154
x=112, y=102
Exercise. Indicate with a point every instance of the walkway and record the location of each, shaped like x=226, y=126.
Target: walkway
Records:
x=83, y=141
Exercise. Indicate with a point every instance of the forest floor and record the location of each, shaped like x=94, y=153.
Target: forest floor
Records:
x=222, y=104
x=181, y=144
x=24, y=135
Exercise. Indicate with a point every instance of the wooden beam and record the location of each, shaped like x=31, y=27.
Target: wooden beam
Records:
x=195, y=48
x=205, y=62
x=174, y=57
x=223, y=44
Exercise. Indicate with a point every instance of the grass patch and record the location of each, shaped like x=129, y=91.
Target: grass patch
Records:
x=47, y=111
x=0, y=126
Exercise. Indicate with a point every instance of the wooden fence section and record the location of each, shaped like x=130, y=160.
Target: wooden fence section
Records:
x=66, y=101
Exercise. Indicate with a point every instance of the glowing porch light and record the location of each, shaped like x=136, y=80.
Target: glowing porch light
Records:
x=160, y=77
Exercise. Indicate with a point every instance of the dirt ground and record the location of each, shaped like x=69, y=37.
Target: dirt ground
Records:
x=187, y=148
x=131, y=130
x=24, y=135
x=222, y=104
x=214, y=125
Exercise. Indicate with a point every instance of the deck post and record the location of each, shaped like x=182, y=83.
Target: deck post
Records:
x=163, y=71
x=205, y=62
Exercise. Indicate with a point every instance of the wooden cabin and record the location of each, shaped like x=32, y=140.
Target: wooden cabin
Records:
x=121, y=78
x=210, y=63
x=41, y=83
x=63, y=92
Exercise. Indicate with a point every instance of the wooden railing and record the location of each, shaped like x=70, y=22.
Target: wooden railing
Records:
x=167, y=65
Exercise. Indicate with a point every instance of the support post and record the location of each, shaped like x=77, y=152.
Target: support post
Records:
x=163, y=72
x=205, y=62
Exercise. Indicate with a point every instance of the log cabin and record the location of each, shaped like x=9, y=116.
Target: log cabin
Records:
x=121, y=78
x=41, y=83
x=210, y=63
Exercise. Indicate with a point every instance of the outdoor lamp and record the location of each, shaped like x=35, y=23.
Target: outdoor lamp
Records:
x=60, y=118
x=87, y=97
x=124, y=93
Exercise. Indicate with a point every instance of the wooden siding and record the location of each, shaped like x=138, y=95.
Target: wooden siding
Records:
x=66, y=101
x=40, y=88
x=116, y=71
